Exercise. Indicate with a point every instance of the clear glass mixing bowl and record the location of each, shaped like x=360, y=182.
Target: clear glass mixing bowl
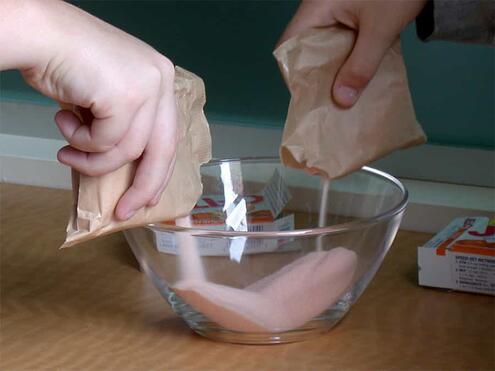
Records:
x=241, y=246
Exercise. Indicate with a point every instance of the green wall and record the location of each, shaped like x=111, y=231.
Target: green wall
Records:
x=229, y=44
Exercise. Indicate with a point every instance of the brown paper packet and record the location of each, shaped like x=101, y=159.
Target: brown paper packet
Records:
x=323, y=138
x=95, y=198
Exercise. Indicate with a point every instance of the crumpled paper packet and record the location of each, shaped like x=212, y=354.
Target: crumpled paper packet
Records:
x=95, y=198
x=320, y=136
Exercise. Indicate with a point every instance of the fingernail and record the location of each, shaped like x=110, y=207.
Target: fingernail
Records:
x=346, y=95
x=62, y=155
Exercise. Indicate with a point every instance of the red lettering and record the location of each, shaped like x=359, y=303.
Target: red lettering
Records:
x=490, y=231
x=209, y=203
x=255, y=199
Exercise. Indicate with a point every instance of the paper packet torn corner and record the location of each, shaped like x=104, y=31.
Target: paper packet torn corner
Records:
x=95, y=198
x=323, y=138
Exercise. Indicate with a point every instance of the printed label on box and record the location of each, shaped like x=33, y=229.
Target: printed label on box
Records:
x=473, y=273
x=460, y=257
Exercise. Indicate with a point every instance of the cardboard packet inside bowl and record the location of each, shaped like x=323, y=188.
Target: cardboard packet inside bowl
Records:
x=235, y=211
x=209, y=214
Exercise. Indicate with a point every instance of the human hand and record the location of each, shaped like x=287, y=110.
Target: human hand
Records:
x=125, y=89
x=378, y=25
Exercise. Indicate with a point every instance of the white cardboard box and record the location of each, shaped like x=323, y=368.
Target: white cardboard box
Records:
x=460, y=257
x=249, y=213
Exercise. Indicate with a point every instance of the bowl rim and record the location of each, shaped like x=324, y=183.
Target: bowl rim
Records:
x=315, y=231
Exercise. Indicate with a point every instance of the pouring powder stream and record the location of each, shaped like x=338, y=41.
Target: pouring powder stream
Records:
x=282, y=301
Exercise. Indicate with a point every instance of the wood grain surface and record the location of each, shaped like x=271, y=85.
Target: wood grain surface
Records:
x=89, y=308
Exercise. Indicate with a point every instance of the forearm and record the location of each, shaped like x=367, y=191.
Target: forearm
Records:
x=470, y=21
x=26, y=36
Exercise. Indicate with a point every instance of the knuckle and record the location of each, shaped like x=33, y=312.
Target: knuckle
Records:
x=152, y=77
x=100, y=147
x=151, y=80
x=167, y=69
x=130, y=97
x=132, y=153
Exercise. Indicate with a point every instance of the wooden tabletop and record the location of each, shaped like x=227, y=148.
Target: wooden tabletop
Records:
x=90, y=308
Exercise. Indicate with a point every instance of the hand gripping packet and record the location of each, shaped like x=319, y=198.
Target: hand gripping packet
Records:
x=95, y=198
x=323, y=138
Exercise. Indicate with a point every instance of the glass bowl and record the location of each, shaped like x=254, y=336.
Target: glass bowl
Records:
x=271, y=254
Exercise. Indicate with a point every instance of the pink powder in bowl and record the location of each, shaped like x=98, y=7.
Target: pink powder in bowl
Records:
x=282, y=301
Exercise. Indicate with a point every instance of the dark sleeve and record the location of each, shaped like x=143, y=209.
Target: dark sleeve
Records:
x=470, y=21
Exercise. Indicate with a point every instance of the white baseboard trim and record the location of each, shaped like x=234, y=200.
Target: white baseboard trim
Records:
x=35, y=172
x=437, y=163
x=32, y=161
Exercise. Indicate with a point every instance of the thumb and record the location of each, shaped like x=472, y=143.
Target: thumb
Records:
x=360, y=67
